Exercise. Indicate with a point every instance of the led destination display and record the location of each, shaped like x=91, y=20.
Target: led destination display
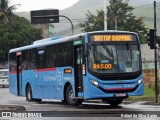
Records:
x=112, y=37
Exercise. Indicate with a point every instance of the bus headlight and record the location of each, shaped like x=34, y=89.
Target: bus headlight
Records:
x=140, y=81
x=93, y=82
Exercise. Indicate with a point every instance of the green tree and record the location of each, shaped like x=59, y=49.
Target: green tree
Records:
x=94, y=22
x=6, y=11
x=119, y=17
x=16, y=33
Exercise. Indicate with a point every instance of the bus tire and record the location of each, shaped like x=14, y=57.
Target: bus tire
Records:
x=69, y=97
x=115, y=102
x=29, y=93
x=64, y=102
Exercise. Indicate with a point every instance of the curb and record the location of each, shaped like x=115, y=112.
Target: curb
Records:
x=152, y=103
x=11, y=108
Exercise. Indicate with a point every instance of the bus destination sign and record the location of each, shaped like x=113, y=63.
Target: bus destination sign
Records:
x=111, y=37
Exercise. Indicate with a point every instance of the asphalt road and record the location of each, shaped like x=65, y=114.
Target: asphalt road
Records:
x=88, y=110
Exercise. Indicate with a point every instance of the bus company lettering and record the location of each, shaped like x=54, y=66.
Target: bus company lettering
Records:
x=114, y=86
x=67, y=78
x=59, y=78
x=119, y=86
x=49, y=78
x=112, y=38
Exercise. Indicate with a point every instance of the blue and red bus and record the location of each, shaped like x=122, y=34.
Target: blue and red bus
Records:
x=102, y=65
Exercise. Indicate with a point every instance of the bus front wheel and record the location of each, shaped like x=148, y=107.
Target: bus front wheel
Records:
x=29, y=93
x=70, y=97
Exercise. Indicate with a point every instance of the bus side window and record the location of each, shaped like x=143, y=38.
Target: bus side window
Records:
x=33, y=59
x=41, y=58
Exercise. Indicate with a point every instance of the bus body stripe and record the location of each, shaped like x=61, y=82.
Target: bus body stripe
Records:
x=118, y=89
x=36, y=70
x=44, y=69
x=15, y=72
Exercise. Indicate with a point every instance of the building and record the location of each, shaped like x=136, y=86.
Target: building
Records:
x=48, y=29
x=148, y=63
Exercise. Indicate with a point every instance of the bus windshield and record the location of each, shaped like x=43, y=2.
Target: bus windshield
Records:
x=115, y=58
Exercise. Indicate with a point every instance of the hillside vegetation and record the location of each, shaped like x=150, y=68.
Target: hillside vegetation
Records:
x=147, y=11
x=77, y=12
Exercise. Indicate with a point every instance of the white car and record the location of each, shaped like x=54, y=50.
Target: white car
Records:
x=4, y=77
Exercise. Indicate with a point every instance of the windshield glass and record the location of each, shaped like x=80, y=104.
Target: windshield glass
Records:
x=117, y=58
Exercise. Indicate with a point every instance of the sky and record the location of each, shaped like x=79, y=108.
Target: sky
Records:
x=28, y=5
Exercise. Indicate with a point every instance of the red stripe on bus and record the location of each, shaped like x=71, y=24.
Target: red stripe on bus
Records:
x=118, y=89
x=36, y=70
x=45, y=69
x=15, y=72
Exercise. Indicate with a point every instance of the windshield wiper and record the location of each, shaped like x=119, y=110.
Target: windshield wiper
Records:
x=129, y=51
x=110, y=53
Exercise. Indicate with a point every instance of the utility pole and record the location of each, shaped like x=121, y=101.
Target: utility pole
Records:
x=155, y=54
x=116, y=22
x=153, y=39
x=116, y=19
x=105, y=15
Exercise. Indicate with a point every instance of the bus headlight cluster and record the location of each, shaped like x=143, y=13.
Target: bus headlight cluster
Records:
x=95, y=83
x=140, y=81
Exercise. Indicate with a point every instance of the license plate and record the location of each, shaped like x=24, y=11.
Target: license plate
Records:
x=120, y=95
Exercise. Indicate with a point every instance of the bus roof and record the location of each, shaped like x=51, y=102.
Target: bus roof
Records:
x=60, y=39
x=46, y=42
x=47, y=39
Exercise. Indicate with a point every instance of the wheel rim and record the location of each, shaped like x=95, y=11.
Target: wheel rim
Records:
x=71, y=95
x=29, y=94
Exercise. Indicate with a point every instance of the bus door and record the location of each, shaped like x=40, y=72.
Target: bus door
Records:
x=78, y=53
x=40, y=73
x=19, y=73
